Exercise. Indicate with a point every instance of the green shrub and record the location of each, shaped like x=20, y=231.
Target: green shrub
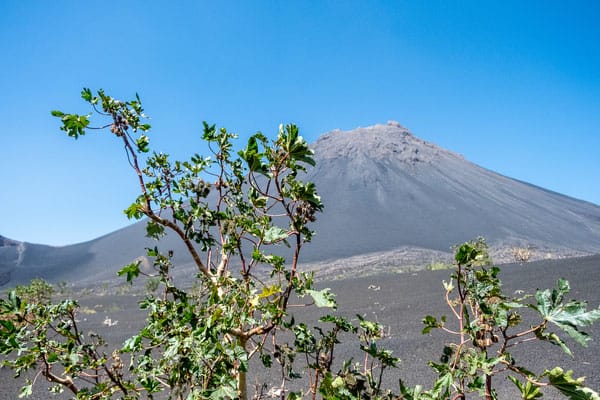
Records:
x=237, y=215
x=488, y=324
x=38, y=291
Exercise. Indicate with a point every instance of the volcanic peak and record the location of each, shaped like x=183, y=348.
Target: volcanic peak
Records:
x=389, y=141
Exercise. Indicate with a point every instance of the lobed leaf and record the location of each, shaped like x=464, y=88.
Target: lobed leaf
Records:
x=323, y=298
x=572, y=388
x=131, y=271
x=569, y=316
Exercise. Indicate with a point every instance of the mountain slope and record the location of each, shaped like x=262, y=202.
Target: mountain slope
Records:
x=20, y=261
x=384, y=188
x=390, y=199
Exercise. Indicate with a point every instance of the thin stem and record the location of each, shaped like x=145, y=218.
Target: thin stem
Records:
x=147, y=210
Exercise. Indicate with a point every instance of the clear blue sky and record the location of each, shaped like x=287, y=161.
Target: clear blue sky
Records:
x=513, y=86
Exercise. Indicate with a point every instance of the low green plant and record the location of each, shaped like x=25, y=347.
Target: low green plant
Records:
x=488, y=325
x=38, y=291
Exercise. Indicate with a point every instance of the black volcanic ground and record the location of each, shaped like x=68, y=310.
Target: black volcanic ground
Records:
x=388, y=196
x=399, y=301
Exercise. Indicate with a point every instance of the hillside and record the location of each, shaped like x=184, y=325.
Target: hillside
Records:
x=404, y=192
x=391, y=201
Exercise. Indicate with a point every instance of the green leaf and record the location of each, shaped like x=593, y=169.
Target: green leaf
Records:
x=7, y=325
x=257, y=200
x=554, y=339
x=86, y=94
x=306, y=192
x=465, y=254
x=152, y=252
x=266, y=359
x=134, y=211
x=567, y=316
x=295, y=145
x=432, y=323
x=74, y=124
x=323, y=298
x=132, y=271
x=74, y=358
x=528, y=390
x=572, y=388
x=275, y=234
x=52, y=357
x=224, y=392
x=269, y=291
x=142, y=144
x=442, y=385
x=154, y=230
x=253, y=157
x=26, y=390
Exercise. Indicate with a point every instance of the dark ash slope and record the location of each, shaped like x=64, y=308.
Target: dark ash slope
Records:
x=384, y=188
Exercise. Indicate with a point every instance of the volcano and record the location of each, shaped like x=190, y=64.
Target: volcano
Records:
x=384, y=188
x=391, y=200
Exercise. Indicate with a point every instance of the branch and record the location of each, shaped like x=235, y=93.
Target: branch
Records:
x=147, y=210
x=66, y=381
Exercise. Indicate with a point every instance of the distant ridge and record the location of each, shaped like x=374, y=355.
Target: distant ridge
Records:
x=391, y=199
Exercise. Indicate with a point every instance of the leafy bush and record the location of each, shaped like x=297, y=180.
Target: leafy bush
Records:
x=38, y=291
x=489, y=324
x=244, y=220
